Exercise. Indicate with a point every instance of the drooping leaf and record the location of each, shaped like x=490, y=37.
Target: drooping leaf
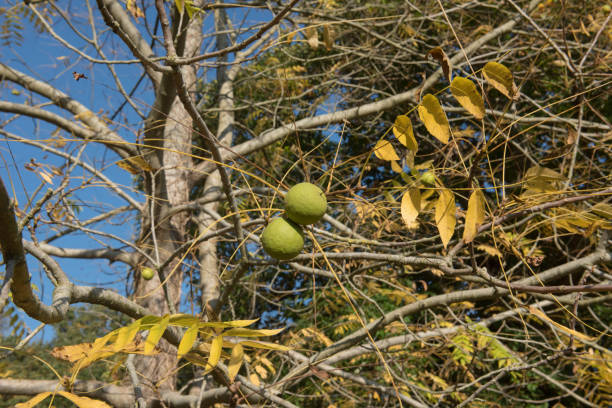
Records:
x=328, y=36
x=180, y=6
x=490, y=250
x=231, y=323
x=411, y=205
x=396, y=167
x=474, y=216
x=501, y=79
x=467, y=95
x=235, y=361
x=215, y=352
x=445, y=215
x=83, y=402
x=125, y=335
x=189, y=338
x=447, y=66
x=385, y=151
x=540, y=179
x=33, y=401
x=402, y=129
x=155, y=334
x=434, y=118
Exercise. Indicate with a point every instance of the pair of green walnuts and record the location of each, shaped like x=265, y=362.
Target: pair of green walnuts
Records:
x=283, y=238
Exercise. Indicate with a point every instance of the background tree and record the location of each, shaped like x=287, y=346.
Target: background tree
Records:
x=464, y=258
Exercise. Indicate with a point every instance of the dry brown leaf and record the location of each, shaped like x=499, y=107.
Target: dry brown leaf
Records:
x=447, y=66
x=312, y=37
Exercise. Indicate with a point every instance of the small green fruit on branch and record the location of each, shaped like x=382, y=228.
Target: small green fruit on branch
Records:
x=282, y=239
x=305, y=203
x=147, y=273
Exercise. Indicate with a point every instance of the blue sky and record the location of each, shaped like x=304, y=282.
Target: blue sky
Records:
x=44, y=58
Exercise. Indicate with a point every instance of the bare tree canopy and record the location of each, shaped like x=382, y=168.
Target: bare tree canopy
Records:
x=330, y=203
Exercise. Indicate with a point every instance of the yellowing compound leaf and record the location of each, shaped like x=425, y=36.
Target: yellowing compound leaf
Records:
x=235, y=361
x=447, y=66
x=252, y=333
x=474, y=216
x=215, y=352
x=541, y=315
x=501, y=79
x=434, y=118
x=467, y=95
x=33, y=401
x=402, y=129
x=155, y=333
x=384, y=151
x=411, y=205
x=191, y=334
x=83, y=402
x=446, y=215
x=125, y=336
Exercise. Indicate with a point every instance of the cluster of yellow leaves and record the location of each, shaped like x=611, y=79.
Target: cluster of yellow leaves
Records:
x=81, y=402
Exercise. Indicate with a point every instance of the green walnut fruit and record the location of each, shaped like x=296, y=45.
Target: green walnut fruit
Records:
x=305, y=203
x=147, y=273
x=282, y=239
x=428, y=178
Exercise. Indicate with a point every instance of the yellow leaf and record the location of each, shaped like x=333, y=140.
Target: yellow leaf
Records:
x=567, y=330
x=125, y=335
x=134, y=10
x=384, y=151
x=501, y=79
x=83, y=402
x=411, y=205
x=46, y=177
x=474, y=216
x=191, y=334
x=468, y=96
x=155, y=333
x=263, y=373
x=490, y=250
x=235, y=361
x=439, y=55
x=252, y=333
x=254, y=379
x=33, y=401
x=396, y=167
x=264, y=345
x=215, y=352
x=445, y=215
x=312, y=37
x=402, y=129
x=603, y=210
x=542, y=180
x=434, y=118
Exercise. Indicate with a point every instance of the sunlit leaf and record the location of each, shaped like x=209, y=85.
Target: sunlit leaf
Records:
x=312, y=37
x=396, y=167
x=411, y=205
x=447, y=66
x=232, y=323
x=501, y=79
x=385, y=151
x=215, y=352
x=125, y=335
x=189, y=338
x=434, y=118
x=445, y=215
x=264, y=345
x=83, y=402
x=33, y=401
x=467, y=95
x=474, y=215
x=402, y=129
x=252, y=332
x=489, y=250
x=155, y=334
x=235, y=361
